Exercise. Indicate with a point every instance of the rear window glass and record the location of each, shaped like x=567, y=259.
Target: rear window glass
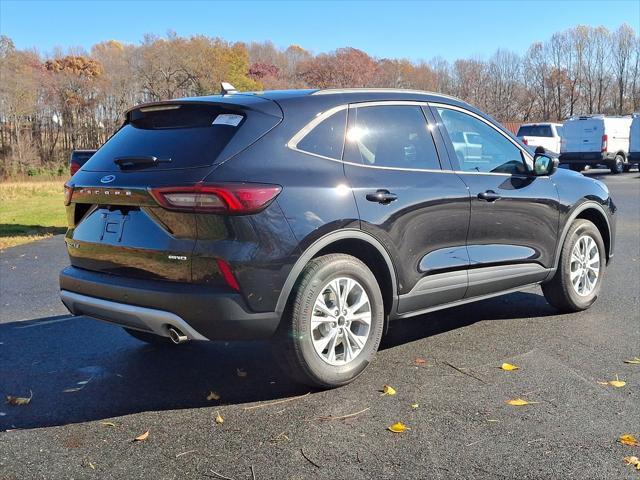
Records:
x=179, y=136
x=535, y=131
x=327, y=138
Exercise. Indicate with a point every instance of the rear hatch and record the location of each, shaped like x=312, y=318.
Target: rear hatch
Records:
x=582, y=135
x=116, y=225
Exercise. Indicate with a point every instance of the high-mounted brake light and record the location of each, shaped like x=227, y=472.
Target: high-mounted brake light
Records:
x=604, y=143
x=68, y=193
x=229, y=198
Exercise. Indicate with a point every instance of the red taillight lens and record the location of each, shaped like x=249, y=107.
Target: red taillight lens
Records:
x=230, y=198
x=604, y=143
x=74, y=168
x=227, y=274
x=68, y=193
x=525, y=141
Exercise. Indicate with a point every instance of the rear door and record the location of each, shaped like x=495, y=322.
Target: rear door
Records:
x=583, y=135
x=116, y=225
x=513, y=229
x=410, y=202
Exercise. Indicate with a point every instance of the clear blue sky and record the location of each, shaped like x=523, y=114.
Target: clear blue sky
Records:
x=414, y=30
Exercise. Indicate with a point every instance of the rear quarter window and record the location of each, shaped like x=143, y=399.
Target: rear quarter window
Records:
x=327, y=138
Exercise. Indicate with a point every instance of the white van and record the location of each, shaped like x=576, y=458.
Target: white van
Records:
x=634, y=141
x=547, y=135
x=596, y=140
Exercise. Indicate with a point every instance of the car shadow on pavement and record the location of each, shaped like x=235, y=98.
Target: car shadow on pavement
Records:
x=77, y=369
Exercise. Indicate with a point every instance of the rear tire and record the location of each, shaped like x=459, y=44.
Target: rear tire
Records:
x=150, y=338
x=334, y=347
x=617, y=165
x=571, y=288
x=576, y=167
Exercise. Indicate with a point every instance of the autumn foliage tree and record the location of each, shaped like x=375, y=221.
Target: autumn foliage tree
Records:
x=75, y=99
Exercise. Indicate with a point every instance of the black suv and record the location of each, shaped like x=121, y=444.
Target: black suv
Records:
x=315, y=217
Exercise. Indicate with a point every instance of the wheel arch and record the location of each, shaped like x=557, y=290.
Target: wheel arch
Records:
x=352, y=242
x=596, y=214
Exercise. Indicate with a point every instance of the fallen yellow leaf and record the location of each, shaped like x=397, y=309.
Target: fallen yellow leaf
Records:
x=614, y=383
x=219, y=419
x=93, y=467
x=414, y=405
x=108, y=424
x=398, y=427
x=508, y=367
x=142, y=437
x=13, y=400
x=519, y=402
x=633, y=361
x=387, y=390
x=213, y=396
x=241, y=372
x=635, y=461
x=628, y=439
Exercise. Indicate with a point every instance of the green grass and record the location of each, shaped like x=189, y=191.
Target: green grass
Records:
x=31, y=210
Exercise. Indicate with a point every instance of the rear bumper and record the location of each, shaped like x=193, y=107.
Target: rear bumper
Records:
x=587, y=158
x=200, y=311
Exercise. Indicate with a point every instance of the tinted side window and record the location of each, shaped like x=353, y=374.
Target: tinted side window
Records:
x=390, y=136
x=480, y=148
x=327, y=138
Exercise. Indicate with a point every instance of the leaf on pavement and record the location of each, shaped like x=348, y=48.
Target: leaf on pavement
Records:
x=398, y=427
x=241, y=372
x=633, y=361
x=13, y=400
x=219, y=419
x=420, y=361
x=519, y=402
x=635, y=461
x=92, y=466
x=614, y=383
x=142, y=437
x=107, y=424
x=213, y=396
x=628, y=439
x=507, y=367
x=387, y=390
x=414, y=405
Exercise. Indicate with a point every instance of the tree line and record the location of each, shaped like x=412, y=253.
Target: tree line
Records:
x=51, y=104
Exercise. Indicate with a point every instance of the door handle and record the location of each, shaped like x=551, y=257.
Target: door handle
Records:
x=382, y=196
x=489, y=196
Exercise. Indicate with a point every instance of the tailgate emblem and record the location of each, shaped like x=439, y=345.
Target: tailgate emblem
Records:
x=177, y=257
x=107, y=179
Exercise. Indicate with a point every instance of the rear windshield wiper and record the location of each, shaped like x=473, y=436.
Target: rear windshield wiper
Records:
x=139, y=161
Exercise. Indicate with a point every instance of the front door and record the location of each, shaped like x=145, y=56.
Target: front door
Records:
x=514, y=215
x=408, y=201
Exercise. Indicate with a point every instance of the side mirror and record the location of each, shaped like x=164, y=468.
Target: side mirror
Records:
x=544, y=164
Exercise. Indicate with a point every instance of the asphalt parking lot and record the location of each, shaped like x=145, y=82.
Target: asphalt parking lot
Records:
x=94, y=389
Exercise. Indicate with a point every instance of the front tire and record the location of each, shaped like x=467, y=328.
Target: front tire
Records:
x=578, y=279
x=332, y=327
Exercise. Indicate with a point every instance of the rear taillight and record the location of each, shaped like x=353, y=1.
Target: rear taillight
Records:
x=68, y=193
x=74, y=168
x=525, y=141
x=604, y=143
x=229, y=198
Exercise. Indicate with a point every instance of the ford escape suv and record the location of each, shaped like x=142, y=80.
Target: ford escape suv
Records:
x=315, y=217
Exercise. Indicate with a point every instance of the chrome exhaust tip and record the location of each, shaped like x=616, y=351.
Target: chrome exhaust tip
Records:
x=177, y=336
